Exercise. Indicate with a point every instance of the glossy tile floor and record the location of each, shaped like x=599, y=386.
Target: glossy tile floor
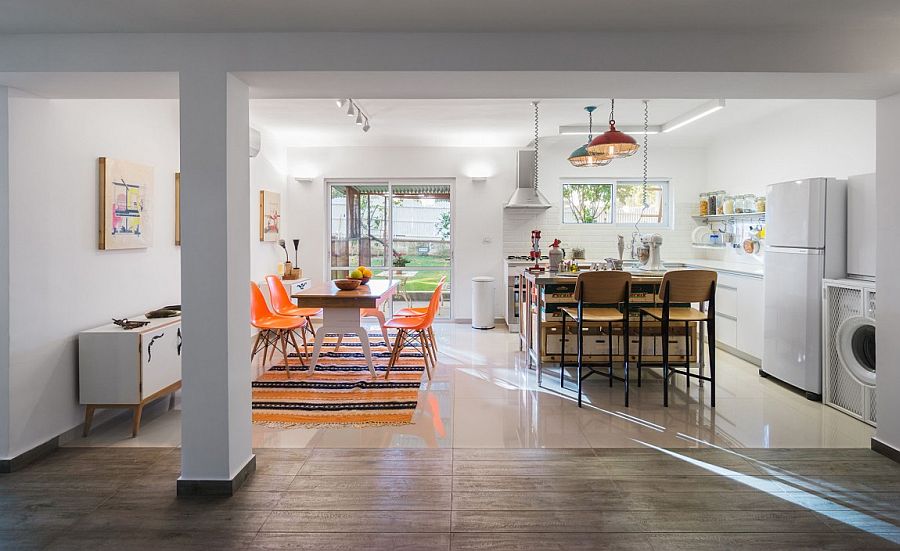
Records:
x=483, y=396
x=464, y=499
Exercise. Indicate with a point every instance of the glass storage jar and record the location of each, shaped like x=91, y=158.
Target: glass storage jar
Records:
x=711, y=203
x=720, y=201
x=704, y=204
x=761, y=203
x=750, y=203
x=728, y=205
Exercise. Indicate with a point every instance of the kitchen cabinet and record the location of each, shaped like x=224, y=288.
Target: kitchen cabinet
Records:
x=739, y=315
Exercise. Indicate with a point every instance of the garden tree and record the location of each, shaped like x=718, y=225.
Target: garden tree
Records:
x=588, y=203
x=442, y=226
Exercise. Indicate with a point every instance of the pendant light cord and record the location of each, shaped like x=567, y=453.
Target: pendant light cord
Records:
x=612, y=111
x=646, y=128
x=534, y=180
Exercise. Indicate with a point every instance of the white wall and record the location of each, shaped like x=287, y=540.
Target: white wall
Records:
x=888, y=313
x=476, y=206
x=685, y=167
x=60, y=282
x=812, y=138
x=267, y=173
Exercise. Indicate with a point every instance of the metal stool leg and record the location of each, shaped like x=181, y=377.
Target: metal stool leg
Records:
x=640, y=344
x=562, y=353
x=580, y=356
x=665, y=344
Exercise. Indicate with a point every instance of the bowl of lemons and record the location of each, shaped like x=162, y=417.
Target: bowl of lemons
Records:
x=361, y=273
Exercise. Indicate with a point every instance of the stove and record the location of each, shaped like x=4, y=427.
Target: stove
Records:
x=525, y=257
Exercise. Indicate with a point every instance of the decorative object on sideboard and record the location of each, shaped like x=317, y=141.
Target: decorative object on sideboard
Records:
x=177, y=209
x=269, y=216
x=128, y=324
x=126, y=199
x=620, y=245
x=287, y=271
x=162, y=313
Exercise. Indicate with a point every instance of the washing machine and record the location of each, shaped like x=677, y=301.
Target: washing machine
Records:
x=849, y=347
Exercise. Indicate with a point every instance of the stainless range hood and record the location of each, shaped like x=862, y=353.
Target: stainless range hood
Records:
x=526, y=196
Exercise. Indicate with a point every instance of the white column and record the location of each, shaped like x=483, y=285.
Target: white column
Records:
x=215, y=274
x=887, y=311
x=4, y=273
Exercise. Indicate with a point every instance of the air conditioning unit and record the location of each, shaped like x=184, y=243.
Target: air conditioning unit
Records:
x=849, y=341
x=255, y=142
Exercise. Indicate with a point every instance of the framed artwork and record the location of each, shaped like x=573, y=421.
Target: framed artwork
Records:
x=126, y=205
x=269, y=216
x=177, y=209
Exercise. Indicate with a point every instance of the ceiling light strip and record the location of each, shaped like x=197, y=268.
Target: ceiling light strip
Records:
x=693, y=115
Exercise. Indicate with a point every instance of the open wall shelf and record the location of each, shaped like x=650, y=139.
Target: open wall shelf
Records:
x=725, y=217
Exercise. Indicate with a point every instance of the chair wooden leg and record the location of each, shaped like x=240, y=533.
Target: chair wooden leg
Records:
x=432, y=348
x=296, y=347
x=433, y=341
x=136, y=420
x=562, y=355
x=256, y=345
x=395, y=353
x=580, y=357
x=267, y=338
x=88, y=419
x=665, y=359
x=305, y=343
x=284, y=339
x=711, y=337
x=640, y=344
x=309, y=327
x=337, y=345
x=426, y=351
x=609, y=338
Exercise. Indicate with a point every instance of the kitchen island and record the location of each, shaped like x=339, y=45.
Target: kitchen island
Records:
x=540, y=330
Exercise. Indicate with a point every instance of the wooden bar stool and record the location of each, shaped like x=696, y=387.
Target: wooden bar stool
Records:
x=684, y=286
x=599, y=296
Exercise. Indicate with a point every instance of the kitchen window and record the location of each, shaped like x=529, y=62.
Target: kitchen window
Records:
x=616, y=202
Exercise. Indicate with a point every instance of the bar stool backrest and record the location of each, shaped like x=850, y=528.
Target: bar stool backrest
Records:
x=609, y=287
x=688, y=286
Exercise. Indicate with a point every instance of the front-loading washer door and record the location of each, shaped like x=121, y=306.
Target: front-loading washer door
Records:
x=856, y=348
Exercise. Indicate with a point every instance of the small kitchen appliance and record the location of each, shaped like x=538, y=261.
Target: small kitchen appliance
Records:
x=650, y=258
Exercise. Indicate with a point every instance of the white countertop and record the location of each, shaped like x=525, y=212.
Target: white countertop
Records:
x=736, y=267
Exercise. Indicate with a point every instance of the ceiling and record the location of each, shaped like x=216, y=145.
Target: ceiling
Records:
x=66, y=16
x=483, y=122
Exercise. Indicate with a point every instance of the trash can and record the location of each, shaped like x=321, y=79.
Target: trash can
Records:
x=483, y=302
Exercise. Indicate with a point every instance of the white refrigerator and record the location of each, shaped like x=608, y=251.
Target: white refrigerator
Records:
x=806, y=236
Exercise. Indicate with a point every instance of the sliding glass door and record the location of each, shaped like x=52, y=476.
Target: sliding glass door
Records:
x=401, y=229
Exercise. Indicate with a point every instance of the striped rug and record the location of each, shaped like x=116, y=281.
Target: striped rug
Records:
x=341, y=391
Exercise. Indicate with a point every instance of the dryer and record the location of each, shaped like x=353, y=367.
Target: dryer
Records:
x=849, y=347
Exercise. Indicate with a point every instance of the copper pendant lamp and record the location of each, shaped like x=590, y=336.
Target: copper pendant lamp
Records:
x=613, y=144
x=581, y=157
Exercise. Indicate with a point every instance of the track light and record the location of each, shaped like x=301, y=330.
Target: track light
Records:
x=366, y=126
x=353, y=110
x=359, y=118
x=350, y=110
x=340, y=103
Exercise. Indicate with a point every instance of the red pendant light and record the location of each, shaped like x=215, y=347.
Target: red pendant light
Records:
x=613, y=144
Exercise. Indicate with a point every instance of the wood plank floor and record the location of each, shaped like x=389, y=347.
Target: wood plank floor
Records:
x=497, y=499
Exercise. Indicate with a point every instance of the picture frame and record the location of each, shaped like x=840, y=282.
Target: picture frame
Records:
x=269, y=216
x=126, y=205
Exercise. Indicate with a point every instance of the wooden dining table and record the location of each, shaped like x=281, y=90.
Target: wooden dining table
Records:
x=341, y=311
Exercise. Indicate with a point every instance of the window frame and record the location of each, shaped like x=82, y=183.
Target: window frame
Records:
x=667, y=202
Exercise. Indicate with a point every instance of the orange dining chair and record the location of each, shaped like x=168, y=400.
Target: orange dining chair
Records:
x=283, y=306
x=420, y=311
x=411, y=329
x=273, y=329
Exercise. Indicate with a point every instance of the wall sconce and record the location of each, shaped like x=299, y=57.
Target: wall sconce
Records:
x=479, y=181
x=300, y=180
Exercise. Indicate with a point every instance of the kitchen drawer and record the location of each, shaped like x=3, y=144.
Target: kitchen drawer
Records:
x=726, y=330
x=727, y=300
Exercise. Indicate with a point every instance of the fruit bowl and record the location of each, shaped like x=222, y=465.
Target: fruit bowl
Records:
x=347, y=284
x=364, y=280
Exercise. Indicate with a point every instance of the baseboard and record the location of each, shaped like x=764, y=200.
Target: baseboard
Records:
x=886, y=450
x=26, y=458
x=468, y=321
x=735, y=352
x=220, y=488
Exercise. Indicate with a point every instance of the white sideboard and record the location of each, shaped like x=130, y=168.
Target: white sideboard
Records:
x=120, y=368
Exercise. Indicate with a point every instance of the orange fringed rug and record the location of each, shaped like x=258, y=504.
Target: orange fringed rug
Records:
x=341, y=392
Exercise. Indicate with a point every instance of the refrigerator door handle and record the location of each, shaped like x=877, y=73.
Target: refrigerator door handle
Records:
x=795, y=250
